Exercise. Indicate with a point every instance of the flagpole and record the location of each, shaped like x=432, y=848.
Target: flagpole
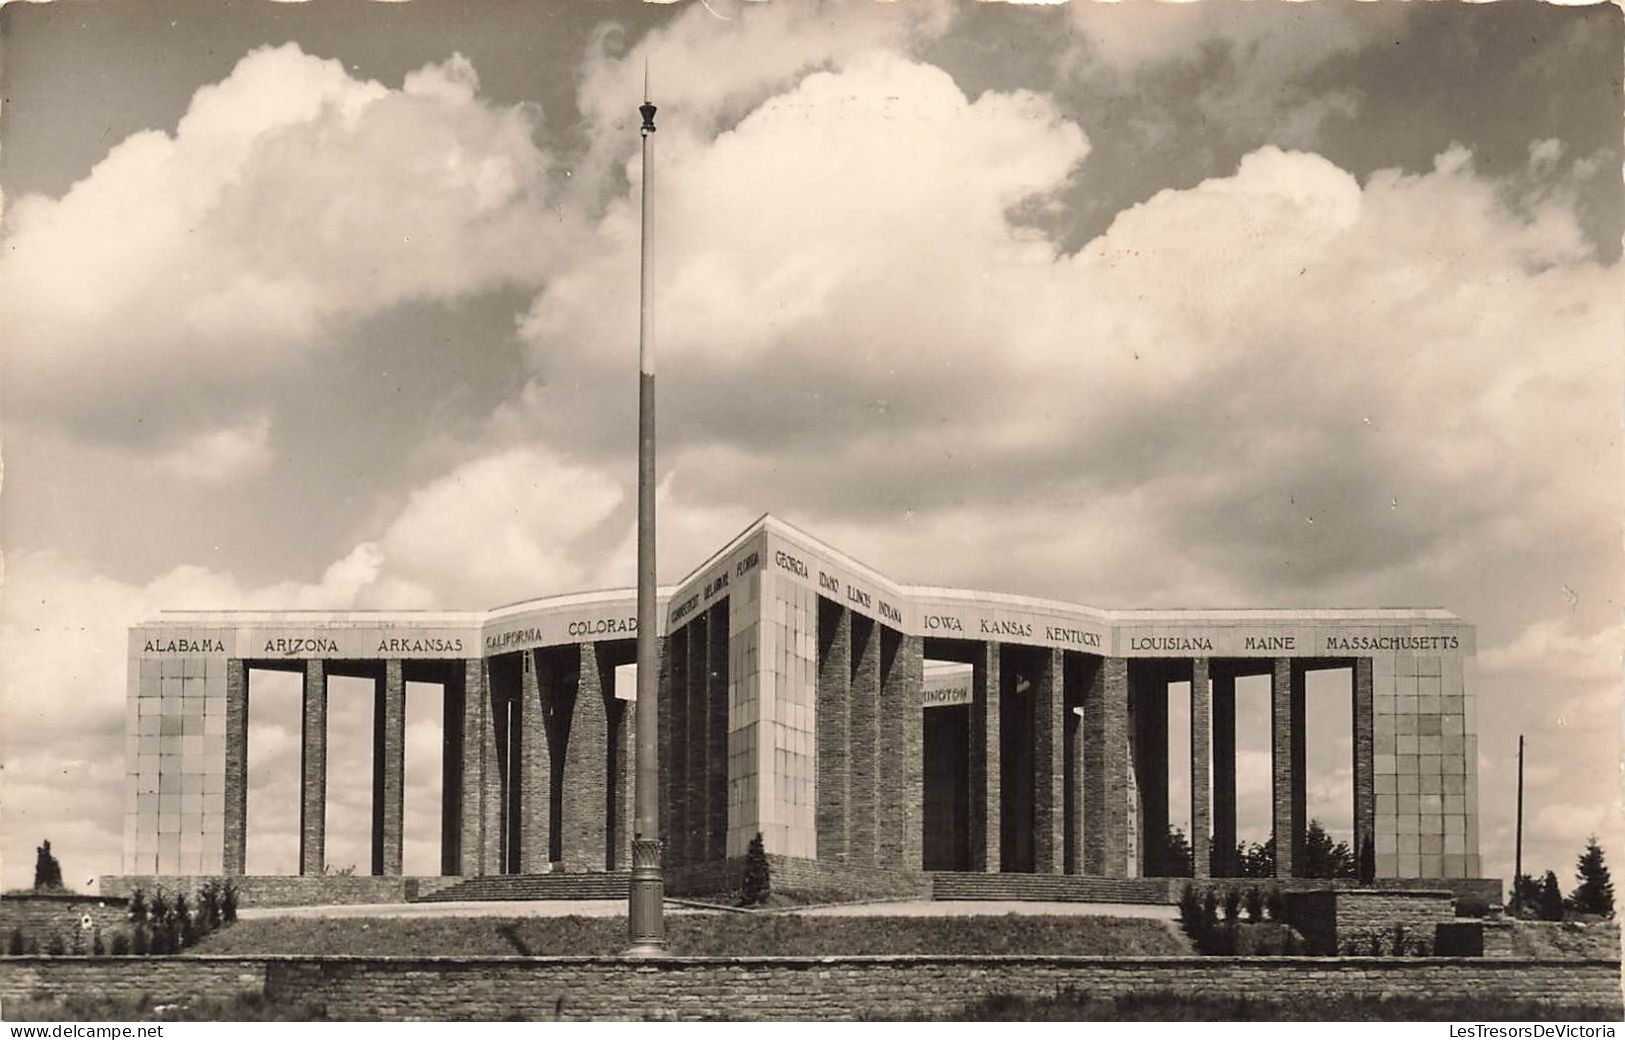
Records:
x=645, y=924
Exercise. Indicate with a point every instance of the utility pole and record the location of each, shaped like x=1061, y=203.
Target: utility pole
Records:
x=645, y=923
x=1517, y=854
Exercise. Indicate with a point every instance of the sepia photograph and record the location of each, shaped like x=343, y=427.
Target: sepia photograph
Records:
x=811, y=510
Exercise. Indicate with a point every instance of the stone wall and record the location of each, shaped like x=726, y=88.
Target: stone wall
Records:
x=1346, y=920
x=287, y=890
x=1362, y=915
x=164, y=980
x=582, y=988
x=42, y=916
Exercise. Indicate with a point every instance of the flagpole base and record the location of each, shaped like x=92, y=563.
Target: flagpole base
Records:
x=645, y=919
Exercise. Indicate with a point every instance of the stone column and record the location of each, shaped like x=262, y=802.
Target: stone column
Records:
x=1074, y=768
x=494, y=785
x=584, y=803
x=1224, y=770
x=863, y=742
x=535, y=769
x=902, y=751
x=1200, y=795
x=695, y=773
x=234, y=857
x=674, y=745
x=478, y=759
x=1365, y=798
x=451, y=778
x=832, y=722
x=313, y=771
x=1300, y=770
x=388, y=769
x=1105, y=800
x=985, y=836
x=1049, y=764
x=716, y=732
x=1281, y=761
x=1149, y=680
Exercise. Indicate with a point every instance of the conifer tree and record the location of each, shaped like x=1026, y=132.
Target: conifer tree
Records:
x=757, y=882
x=1596, y=892
x=47, y=871
x=1551, y=899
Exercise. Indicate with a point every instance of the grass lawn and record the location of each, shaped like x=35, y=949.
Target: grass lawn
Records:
x=700, y=935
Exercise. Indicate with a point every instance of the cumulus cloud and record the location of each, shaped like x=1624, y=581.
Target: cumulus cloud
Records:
x=219, y=456
x=290, y=196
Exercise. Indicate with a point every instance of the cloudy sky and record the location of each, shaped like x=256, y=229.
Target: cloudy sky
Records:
x=1220, y=304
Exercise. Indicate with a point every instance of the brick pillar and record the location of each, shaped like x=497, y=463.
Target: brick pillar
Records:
x=1365, y=799
x=1281, y=763
x=623, y=753
x=1049, y=764
x=535, y=769
x=696, y=776
x=863, y=750
x=234, y=856
x=1224, y=770
x=451, y=778
x=1105, y=801
x=313, y=771
x=583, y=820
x=674, y=744
x=1201, y=796
x=479, y=758
x=832, y=719
x=1075, y=769
x=494, y=781
x=1149, y=680
x=1300, y=770
x=985, y=837
x=388, y=769
x=901, y=808
x=716, y=733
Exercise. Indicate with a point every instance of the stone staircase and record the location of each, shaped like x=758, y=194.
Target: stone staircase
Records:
x=1055, y=888
x=514, y=887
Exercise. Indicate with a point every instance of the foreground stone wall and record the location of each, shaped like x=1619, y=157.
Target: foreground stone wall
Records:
x=345, y=890
x=584, y=988
x=164, y=980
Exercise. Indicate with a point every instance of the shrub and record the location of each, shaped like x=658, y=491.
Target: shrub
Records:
x=208, y=908
x=1232, y=904
x=14, y=942
x=757, y=882
x=1210, y=910
x=121, y=945
x=56, y=948
x=1276, y=903
x=228, y=903
x=96, y=947
x=1255, y=904
x=184, y=930
x=1190, y=910
x=138, y=907
x=140, y=941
